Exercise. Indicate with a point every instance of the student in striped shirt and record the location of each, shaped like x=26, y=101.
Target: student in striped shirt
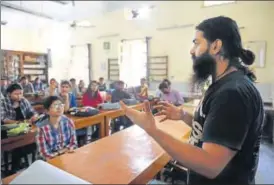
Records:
x=56, y=132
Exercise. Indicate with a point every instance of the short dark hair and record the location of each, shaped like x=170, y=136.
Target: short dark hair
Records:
x=49, y=100
x=227, y=30
x=23, y=78
x=13, y=87
x=101, y=78
x=72, y=79
x=163, y=85
x=167, y=81
x=65, y=82
x=120, y=82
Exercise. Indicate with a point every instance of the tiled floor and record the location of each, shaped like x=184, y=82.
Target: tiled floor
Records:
x=265, y=174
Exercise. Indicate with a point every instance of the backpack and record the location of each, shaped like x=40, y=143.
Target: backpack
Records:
x=84, y=111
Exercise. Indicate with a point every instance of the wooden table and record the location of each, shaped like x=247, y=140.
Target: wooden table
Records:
x=82, y=122
x=130, y=156
x=11, y=143
x=109, y=115
x=39, y=108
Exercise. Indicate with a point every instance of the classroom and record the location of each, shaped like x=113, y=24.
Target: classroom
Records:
x=137, y=92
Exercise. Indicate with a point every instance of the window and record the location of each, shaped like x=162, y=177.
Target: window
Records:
x=212, y=3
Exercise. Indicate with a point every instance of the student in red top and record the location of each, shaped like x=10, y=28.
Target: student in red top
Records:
x=92, y=97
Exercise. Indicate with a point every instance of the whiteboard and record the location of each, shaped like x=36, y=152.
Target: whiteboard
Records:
x=259, y=49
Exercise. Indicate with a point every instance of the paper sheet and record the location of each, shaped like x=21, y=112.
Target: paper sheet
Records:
x=41, y=172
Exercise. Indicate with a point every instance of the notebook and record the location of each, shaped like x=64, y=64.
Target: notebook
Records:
x=41, y=172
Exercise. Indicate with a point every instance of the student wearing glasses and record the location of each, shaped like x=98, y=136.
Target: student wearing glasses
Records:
x=56, y=132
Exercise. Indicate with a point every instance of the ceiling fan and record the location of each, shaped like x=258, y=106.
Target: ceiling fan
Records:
x=81, y=24
x=4, y=23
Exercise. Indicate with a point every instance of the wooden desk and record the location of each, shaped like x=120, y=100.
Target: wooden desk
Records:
x=130, y=156
x=39, y=108
x=82, y=122
x=127, y=157
x=11, y=143
x=109, y=115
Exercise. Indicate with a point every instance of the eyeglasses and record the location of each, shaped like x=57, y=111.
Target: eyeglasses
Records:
x=57, y=105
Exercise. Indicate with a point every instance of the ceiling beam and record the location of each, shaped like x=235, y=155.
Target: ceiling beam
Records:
x=60, y=2
x=20, y=9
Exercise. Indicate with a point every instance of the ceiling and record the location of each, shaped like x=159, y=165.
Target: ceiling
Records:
x=33, y=14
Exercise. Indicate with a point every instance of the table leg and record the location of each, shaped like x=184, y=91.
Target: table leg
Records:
x=107, y=125
x=102, y=129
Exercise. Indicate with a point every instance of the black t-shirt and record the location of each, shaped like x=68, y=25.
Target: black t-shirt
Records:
x=230, y=114
x=19, y=115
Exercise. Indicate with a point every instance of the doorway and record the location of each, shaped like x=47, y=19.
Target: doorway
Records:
x=133, y=61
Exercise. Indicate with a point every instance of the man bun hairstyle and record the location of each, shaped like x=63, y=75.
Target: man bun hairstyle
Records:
x=227, y=30
x=247, y=57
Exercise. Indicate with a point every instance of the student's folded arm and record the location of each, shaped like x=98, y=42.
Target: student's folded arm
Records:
x=42, y=146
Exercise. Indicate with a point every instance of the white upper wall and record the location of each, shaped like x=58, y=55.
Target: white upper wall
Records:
x=255, y=16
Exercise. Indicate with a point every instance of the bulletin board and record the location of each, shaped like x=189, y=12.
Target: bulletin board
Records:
x=259, y=49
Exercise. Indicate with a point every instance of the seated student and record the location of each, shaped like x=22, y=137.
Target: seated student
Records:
x=38, y=85
x=170, y=95
x=66, y=96
x=53, y=89
x=74, y=88
x=4, y=86
x=27, y=86
x=92, y=97
x=81, y=87
x=158, y=91
x=119, y=93
x=143, y=94
x=69, y=101
x=102, y=84
x=14, y=109
x=56, y=133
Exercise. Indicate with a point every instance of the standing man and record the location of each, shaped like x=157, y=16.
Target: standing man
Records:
x=226, y=127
